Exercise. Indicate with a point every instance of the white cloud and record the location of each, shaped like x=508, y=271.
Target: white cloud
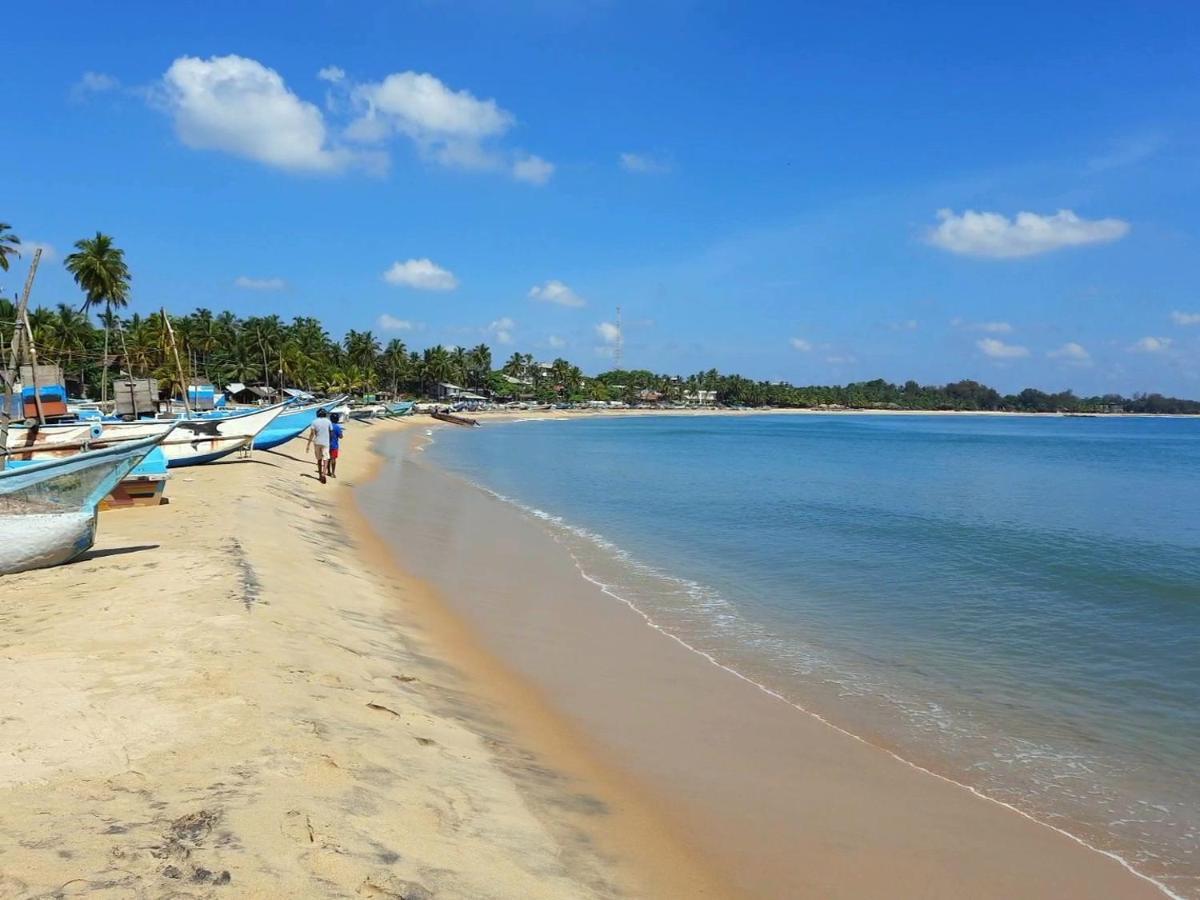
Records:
x=532, y=169
x=993, y=327
x=1127, y=152
x=259, y=284
x=501, y=330
x=240, y=106
x=1185, y=318
x=453, y=128
x=800, y=344
x=554, y=291
x=643, y=164
x=1071, y=352
x=1151, y=345
x=555, y=341
x=609, y=333
x=387, y=322
x=93, y=83
x=332, y=74
x=420, y=274
x=906, y=325
x=27, y=248
x=841, y=360
x=996, y=236
x=997, y=349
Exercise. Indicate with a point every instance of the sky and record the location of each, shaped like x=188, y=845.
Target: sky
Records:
x=1005, y=192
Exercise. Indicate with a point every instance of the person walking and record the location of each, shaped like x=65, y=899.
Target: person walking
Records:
x=336, y=431
x=318, y=440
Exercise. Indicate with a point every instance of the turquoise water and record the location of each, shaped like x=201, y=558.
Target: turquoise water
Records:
x=1011, y=602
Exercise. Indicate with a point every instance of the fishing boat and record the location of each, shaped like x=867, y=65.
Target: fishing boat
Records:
x=291, y=423
x=193, y=442
x=368, y=412
x=48, y=509
x=401, y=408
x=454, y=420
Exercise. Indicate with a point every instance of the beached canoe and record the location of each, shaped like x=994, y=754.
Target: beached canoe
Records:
x=290, y=424
x=48, y=509
x=193, y=442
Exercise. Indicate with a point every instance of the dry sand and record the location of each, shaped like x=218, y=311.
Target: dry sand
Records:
x=231, y=697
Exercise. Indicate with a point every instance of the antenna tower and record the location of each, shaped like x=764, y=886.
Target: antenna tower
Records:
x=620, y=345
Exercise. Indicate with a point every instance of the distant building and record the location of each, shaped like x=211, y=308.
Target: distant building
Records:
x=251, y=393
x=447, y=391
x=700, y=398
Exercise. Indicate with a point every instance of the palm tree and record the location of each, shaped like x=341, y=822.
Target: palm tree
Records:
x=9, y=244
x=479, y=365
x=98, y=266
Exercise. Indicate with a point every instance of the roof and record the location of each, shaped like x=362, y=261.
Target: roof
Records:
x=298, y=394
x=235, y=387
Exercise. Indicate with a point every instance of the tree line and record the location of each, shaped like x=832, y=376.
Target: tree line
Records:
x=222, y=348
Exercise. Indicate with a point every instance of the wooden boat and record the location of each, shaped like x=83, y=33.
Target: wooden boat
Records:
x=144, y=486
x=453, y=419
x=192, y=442
x=400, y=408
x=290, y=424
x=48, y=509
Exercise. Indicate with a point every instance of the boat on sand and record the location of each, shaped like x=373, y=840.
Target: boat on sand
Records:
x=48, y=509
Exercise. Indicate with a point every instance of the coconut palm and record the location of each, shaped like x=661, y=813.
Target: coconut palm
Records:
x=99, y=269
x=9, y=245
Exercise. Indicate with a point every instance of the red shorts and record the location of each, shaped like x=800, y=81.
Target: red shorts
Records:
x=333, y=454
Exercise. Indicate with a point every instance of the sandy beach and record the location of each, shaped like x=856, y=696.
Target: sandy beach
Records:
x=240, y=694
x=231, y=696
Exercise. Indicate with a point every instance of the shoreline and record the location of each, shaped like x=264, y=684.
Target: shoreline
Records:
x=1097, y=856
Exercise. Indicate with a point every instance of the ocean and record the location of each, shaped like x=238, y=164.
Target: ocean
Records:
x=1010, y=602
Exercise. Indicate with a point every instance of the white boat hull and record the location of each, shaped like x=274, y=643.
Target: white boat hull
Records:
x=44, y=539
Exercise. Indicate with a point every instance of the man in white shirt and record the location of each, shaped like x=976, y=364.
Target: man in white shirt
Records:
x=318, y=436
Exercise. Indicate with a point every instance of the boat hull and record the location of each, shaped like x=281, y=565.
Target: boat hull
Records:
x=44, y=539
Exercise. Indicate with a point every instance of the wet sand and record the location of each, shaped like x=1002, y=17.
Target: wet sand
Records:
x=784, y=804
x=235, y=696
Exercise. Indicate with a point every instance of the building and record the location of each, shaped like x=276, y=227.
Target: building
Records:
x=700, y=398
x=453, y=392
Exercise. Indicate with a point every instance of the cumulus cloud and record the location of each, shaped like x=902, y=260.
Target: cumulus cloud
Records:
x=1185, y=318
x=1151, y=345
x=608, y=332
x=421, y=275
x=554, y=291
x=532, y=169
x=387, y=322
x=555, y=341
x=997, y=349
x=501, y=330
x=93, y=83
x=1071, y=352
x=994, y=235
x=642, y=164
x=259, y=284
x=800, y=344
x=453, y=128
x=240, y=106
x=332, y=74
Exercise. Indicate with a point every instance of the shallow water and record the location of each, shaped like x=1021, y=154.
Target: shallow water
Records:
x=1013, y=602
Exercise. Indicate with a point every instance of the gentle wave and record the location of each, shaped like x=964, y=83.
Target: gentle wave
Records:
x=928, y=716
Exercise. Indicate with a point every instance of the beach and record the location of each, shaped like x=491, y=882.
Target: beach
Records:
x=231, y=695
x=243, y=694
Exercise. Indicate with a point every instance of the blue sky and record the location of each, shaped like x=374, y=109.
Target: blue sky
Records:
x=1007, y=192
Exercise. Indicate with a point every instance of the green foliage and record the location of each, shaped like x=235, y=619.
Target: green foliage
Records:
x=223, y=348
x=9, y=245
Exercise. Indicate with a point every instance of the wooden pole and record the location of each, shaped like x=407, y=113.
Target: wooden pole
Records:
x=178, y=365
x=14, y=353
x=33, y=367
